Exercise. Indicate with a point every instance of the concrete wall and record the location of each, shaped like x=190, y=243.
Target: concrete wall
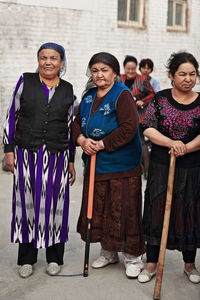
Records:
x=85, y=27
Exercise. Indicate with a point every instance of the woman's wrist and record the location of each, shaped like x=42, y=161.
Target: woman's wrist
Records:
x=101, y=144
x=9, y=154
x=169, y=143
x=80, y=139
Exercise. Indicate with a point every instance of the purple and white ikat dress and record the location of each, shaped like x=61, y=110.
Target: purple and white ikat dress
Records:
x=41, y=185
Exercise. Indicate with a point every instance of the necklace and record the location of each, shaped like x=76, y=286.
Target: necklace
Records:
x=54, y=82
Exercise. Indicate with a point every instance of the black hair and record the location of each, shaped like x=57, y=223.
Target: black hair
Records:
x=146, y=61
x=129, y=58
x=178, y=58
x=107, y=59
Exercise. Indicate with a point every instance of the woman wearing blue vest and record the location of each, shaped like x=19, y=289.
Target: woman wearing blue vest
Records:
x=107, y=124
x=40, y=153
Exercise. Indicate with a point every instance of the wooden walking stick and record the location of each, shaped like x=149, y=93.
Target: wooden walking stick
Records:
x=89, y=213
x=161, y=259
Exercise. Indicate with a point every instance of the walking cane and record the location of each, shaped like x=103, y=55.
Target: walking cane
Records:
x=89, y=213
x=161, y=259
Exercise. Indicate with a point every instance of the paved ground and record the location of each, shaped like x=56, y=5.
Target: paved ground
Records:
x=104, y=284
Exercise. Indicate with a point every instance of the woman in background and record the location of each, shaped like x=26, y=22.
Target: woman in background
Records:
x=142, y=92
x=146, y=68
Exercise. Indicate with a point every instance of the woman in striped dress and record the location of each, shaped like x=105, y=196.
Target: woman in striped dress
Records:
x=40, y=153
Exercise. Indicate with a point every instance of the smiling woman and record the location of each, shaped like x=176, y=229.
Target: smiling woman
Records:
x=49, y=66
x=40, y=152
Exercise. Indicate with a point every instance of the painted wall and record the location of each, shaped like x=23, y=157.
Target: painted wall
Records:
x=85, y=27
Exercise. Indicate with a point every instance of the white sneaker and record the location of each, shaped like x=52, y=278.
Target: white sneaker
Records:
x=133, y=270
x=25, y=271
x=193, y=276
x=53, y=269
x=146, y=276
x=105, y=258
x=133, y=265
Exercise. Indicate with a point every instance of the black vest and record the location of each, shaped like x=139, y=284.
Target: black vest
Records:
x=40, y=122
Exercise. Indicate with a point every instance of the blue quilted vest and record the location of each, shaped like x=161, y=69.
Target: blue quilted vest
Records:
x=101, y=124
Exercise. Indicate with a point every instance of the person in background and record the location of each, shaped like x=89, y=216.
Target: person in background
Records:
x=40, y=152
x=146, y=68
x=107, y=125
x=172, y=123
x=142, y=92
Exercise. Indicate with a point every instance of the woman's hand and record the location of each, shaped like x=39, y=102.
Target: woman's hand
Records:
x=178, y=148
x=88, y=145
x=72, y=172
x=10, y=161
x=100, y=145
x=139, y=103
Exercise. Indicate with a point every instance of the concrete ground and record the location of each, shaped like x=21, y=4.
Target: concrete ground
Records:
x=109, y=283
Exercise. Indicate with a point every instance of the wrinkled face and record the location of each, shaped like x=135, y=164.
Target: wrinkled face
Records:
x=145, y=70
x=49, y=63
x=130, y=70
x=103, y=76
x=185, y=77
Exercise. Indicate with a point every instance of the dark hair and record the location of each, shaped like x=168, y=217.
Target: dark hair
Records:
x=107, y=59
x=129, y=58
x=181, y=57
x=144, y=62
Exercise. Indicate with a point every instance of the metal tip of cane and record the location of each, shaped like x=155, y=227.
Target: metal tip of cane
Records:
x=85, y=271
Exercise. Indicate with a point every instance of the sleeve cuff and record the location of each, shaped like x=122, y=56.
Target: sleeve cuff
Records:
x=71, y=158
x=8, y=148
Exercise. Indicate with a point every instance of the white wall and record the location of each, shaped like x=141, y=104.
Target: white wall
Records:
x=84, y=31
x=76, y=4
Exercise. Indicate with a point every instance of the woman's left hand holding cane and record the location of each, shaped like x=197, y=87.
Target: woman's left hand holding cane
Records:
x=178, y=148
x=89, y=146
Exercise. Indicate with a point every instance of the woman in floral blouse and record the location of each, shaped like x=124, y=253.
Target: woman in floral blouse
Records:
x=172, y=123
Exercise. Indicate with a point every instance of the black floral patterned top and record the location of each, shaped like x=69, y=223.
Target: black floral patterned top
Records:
x=176, y=121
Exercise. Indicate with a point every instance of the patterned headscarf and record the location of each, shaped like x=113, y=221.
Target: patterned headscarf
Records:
x=60, y=49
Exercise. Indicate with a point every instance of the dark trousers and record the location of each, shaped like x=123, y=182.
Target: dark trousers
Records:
x=145, y=153
x=27, y=254
x=153, y=254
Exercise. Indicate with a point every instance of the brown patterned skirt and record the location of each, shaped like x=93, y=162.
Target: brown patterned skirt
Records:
x=116, y=221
